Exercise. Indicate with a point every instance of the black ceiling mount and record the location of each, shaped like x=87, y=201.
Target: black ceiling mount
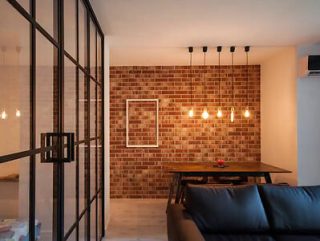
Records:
x=232, y=49
x=204, y=49
x=247, y=48
x=190, y=49
x=219, y=49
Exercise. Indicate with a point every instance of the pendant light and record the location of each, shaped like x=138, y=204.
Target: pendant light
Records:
x=219, y=112
x=18, y=113
x=190, y=112
x=247, y=111
x=4, y=115
x=205, y=114
x=232, y=49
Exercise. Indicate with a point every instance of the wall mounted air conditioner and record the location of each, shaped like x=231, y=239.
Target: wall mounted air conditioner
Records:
x=309, y=66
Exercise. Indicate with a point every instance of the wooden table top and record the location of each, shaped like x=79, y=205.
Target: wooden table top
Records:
x=232, y=167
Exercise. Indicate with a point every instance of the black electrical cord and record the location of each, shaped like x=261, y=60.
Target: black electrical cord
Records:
x=205, y=49
x=247, y=49
x=232, y=49
x=219, y=48
x=191, y=82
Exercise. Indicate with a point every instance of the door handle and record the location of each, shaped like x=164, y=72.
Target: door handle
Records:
x=53, y=145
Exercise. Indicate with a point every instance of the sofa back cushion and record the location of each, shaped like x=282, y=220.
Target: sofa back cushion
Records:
x=226, y=210
x=292, y=209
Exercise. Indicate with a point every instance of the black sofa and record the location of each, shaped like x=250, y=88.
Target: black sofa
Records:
x=250, y=213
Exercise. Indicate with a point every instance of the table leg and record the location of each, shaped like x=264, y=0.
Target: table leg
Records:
x=267, y=177
x=179, y=188
x=171, y=189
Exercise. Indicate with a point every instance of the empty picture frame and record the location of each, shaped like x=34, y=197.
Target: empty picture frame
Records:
x=142, y=123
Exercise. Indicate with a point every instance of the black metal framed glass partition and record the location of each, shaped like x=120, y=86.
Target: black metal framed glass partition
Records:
x=51, y=121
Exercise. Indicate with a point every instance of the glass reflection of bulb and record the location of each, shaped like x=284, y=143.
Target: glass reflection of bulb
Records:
x=247, y=113
x=190, y=113
x=4, y=115
x=18, y=113
x=205, y=114
x=219, y=113
x=232, y=115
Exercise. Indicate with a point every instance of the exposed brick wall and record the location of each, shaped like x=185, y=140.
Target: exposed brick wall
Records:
x=142, y=123
x=138, y=172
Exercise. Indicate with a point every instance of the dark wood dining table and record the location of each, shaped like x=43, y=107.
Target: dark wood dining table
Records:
x=179, y=170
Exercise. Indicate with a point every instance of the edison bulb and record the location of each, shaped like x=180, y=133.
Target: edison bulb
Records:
x=18, y=113
x=205, y=114
x=4, y=115
x=232, y=115
x=247, y=113
x=190, y=113
x=219, y=113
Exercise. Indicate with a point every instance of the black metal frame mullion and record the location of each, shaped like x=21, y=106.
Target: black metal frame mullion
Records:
x=88, y=157
x=96, y=132
x=102, y=136
x=60, y=164
x=77, y=128
x=36, y=151
x=32, y=166
x=93, y=16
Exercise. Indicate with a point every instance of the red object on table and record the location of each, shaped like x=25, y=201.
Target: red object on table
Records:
x=220, y=162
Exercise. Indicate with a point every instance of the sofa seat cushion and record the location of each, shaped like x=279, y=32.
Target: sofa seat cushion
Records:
x=237, y=237
x=292, y=210
x=226, y=210
x=297, y=238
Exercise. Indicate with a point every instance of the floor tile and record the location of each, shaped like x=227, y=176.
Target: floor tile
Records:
x=137, y=220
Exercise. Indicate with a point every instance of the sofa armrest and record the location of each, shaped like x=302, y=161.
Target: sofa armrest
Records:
x=180, y=225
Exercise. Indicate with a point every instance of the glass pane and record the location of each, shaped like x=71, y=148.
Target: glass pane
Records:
x=25, y=4
x=14, y=81
x=99, y=54
x=70, y=201
x=73, y=236
x=93, y=44
x=47, y=120
x=70, y=101
x=93, y=152
x=82, y=229
x=99, y=163
x=70, y=97
x=46, y=87
x=93, y=222
x=93, y=108
x=14, y=189
x=99, y=112
x=82, y=199
x=70, y=27
x=44, y=198
x=100, y=216
x=82, y=35
x=82, y=105
x=47, y=16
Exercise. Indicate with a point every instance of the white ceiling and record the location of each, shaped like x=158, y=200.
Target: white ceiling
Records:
x=146, y=26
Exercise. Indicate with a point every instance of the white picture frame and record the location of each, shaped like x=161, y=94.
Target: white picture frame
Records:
x=157, y=123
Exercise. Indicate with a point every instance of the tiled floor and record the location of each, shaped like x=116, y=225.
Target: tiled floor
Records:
x=137, y=220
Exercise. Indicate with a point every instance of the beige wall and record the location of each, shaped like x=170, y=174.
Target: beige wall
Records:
x=308, y=122
x=279, y=113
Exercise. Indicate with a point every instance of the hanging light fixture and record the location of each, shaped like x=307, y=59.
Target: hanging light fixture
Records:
x=18, y=113
x=4, y=115
x=219, y=112
x=205, y=114
x=232, y=114
x=247, y=111
x=190, y=112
